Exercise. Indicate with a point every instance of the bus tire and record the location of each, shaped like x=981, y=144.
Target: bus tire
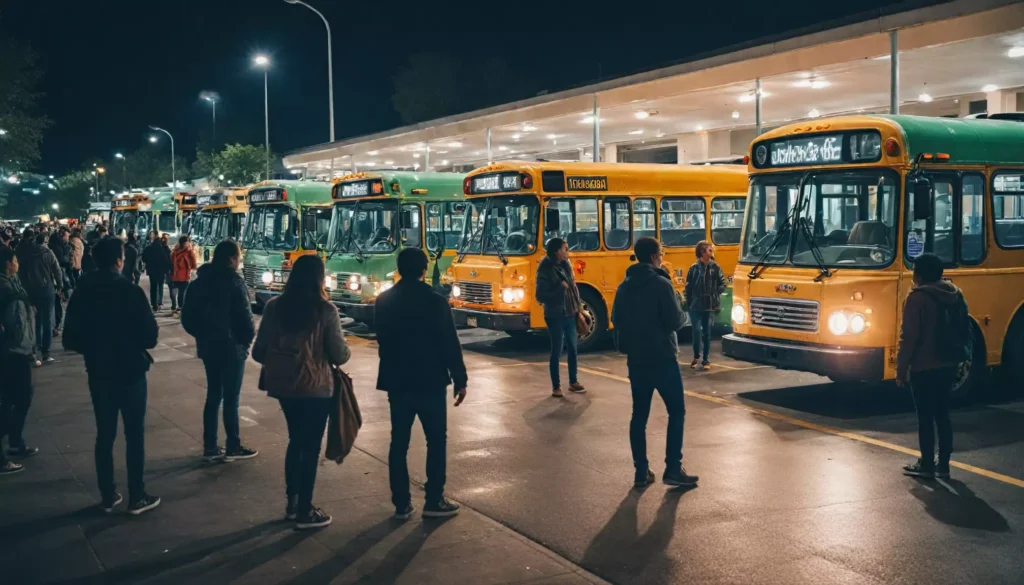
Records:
x=972, y=376
x=593, y=306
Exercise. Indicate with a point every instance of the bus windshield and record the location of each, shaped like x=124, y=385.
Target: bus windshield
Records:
x=124, y=220
x=501, y=225
x=372, y=225
x=167, y=222
x=845, y=219
x=186, y=222
x=341, y=221
x=272, y=227
x=201, y=227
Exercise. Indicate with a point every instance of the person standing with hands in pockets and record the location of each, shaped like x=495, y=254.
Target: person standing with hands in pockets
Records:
x=705, y=283
x=556, y=290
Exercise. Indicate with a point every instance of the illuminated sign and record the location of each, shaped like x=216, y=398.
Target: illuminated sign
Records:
x=211, y=199
x=819, y=149
x=359, y=189
x=267, y=195
x=586, y=183
x=124, y=203
x=496, y=183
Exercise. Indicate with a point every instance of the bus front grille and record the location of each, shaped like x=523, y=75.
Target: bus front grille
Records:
x=252, y=275
x=792, y=314
x=477, y=293
x=341, y=293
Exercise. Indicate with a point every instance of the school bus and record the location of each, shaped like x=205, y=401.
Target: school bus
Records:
x=165, y=214
x=838, y=210
x=600, y=210
x=376, y=216
x=131, y=212
x=286, y=219
x=186, y=203
x=220, y=215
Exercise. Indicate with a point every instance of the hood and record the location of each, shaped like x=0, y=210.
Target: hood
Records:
x=9, y=286
x=33, y=249
x=640, y=274
x=943, y=291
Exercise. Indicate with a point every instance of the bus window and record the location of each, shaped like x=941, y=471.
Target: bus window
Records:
x=167, y=222
x=316, y=225
x=972, y=219
x=410, y=222
x=682, y=222
x=577, y=223
x=644, y=219
x=616, y=224
x=454, y=223
x=934, y=235
x=1008, y=208
x=726, y=220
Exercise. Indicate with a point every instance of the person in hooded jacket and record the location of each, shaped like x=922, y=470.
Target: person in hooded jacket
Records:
x=705, y=283
x=76, y=250
x=216, y=312
x=919, y=364
x=646, y=315
x=41, y=276
x=131, y=258
x=157, y=261
x=183, y=262
x=556, y=290
x=17, y=344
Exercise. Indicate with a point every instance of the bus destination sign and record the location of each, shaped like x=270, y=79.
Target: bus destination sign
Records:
x=266, y=196
x=124, y=203
x=586, y=183
x=804, y=151
x=359, y=188
x=211, y=199
x=496, y=183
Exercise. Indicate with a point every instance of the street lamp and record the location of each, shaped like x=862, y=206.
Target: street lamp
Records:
x=330, y=66
x=55, y=207
x=3, y=132
x=174, y=181
x=124, y=170
x=212, y=97
x=264, y=62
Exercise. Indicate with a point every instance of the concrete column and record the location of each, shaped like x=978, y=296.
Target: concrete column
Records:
x=691, y=147
x=965, y=107
x=611, y=153
x=1001, y=101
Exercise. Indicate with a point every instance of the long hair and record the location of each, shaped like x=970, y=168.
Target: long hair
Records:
x=553, y=246
x=300, y=303
x=224, y=253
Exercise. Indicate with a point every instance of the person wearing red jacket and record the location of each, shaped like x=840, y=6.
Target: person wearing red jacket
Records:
x=183, y=263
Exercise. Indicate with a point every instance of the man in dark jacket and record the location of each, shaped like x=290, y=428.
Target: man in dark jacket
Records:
x=920, y=363
x=217, y=314
x=646, y=316
x=17, y=343
x=116, y=360
x=705, y=283
x=411, y=314
x=41, y=276
x=158, y=264
x=131, y=259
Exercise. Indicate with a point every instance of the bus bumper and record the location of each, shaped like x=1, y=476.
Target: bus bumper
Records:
x=262, y=296
x=358, y=311
x=857, y=363
x=491, y=320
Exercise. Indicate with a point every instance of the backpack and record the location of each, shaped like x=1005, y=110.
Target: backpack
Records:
x=954, y=333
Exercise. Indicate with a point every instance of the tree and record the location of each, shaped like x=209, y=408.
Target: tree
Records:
x=148, y=167
x=21, y=127
x=242, y=164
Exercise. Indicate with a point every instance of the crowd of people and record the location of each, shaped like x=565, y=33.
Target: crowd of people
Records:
x=300, y=346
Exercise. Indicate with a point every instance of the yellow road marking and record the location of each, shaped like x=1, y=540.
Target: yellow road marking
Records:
x=734, y=368
x=823, y=429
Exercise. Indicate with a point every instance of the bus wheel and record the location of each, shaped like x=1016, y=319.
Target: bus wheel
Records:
x=971, y=375
x=593, y=308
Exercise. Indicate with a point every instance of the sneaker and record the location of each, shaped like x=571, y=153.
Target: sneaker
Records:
x=316, y=518
x=942, y=471
x=143, y=504
x=213, y=456
x=577, y=388
x=10, y=468
x=39, y=363
x=678, y=477
x=240, y=453
x=705, y=365
x=47, y=360
x=557, y=392
x=56, y=332
x=919, y=469
x=404, y=513
x=700, y=367
x=642, y=480
x=440, y=509
x=108, y=504
x=693, y=364
x=292, y=508
x=22, y=451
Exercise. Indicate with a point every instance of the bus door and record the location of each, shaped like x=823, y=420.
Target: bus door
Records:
x=443, y=228
x=683, y=226
x=618, y=240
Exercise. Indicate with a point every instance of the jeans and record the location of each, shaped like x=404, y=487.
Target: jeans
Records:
x=179, y=290
x=431, y=406
x=307, y=421
x=931, y=390
x=643, y=381
x=15, y=398
x=223, y=383
x=562, y=331
x=108, y=400
x=700, y=323
x=58, y=312
x=156, y=291
x=43, y=304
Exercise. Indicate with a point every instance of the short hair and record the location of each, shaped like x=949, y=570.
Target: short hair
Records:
x=41, y=238
x=645, y=248
x=76, y=232
x=6, y=254
x=28, y=234
x=101, y=229
x=553, y=246
x=107, y=252
x=701, y=246
x=182, y=239
x=412, y=263
x=225, y=251
x=928, y=268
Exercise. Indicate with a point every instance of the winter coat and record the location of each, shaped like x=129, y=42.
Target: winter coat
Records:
x=549, y=289
x=110, y=323
x=183, y=262
x=705, y=284
x=298, y=365
x=156, y=259
x=76, y=249
x=411, y=314
x=131, y=261
x=919, y=340
x=18, y=333
x=646, y=316
x=217, y=314
x=60, y=249
x=38, y=269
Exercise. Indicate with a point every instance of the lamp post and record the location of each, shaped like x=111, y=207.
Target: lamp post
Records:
x=212, y=98
x=124, y=170
x=264, y=62
x=174, y=181
x=330, y=65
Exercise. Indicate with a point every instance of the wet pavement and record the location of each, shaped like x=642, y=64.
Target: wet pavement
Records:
x=800, y=483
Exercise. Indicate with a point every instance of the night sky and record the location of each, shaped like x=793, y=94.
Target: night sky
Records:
x=113, y=67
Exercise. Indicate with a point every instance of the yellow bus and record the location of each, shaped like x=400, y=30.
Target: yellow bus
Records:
x=600, y=210
x=220, y=215
x=837, y=212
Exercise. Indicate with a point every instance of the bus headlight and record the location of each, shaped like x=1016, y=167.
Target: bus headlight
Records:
x=268, y=277
x=847, y=323
x=857, y=324
x=513, y=294
x=456, y=291
x=739, y=314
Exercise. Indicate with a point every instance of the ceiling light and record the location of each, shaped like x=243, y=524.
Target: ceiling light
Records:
x=416, y=167
x=735, y=114
x=503, y=148
x=813, y=114
x=700, y=127
x=440, y=152
x=369, y=163
x=444, y=162
x=924, y=98
x=590, y=120
x=552, y=136
x=659, y=134
x=373, y=153
x=389, y=162
x=636, y=132
x=415, y=155
x=642, y=114
x=990, y=87
x=516, y=136
x=528, y=128
x=812, y=83
x=1015, y=52
x=749, y=97
x=455, y=144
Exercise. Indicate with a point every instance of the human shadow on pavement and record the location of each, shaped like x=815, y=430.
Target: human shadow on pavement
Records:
x=620, y=553
x=91, y=518
x=553, y=417
x=402, y=554
x=348, y=554
x=953, y=503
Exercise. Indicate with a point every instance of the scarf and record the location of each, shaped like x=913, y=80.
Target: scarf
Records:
x=572, y=294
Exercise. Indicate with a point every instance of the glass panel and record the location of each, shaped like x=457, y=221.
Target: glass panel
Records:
x=933, y=235
x=274, y=227
x=454, y=223
x=644, y=219
x=435, y=227
x=341, y=221
x=168, y=222
x=372, y=227
x=972, y=219
x=1008, y=209
x=682, y=222
x=726, y=220
x=577, y=223
x=500, y=225
x=411, y=226
x=765, y=227
x=616, y=224
x=316, y=225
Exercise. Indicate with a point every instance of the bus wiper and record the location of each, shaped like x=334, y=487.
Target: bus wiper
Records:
x=354, y=243
x=755, y=269
x=819, y=258
x=466, y=243
x=492, y=239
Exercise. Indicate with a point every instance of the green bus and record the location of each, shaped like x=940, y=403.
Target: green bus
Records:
x=286, y=219
x=220, y=215
x=376, y=216
x=165, y=212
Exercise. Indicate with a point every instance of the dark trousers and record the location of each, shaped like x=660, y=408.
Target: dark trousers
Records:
x=931, y=390
x=43, y=303
x=109, y=399
x=156, y=291
x=562, y=331
x=15, y=398
x=431, y=407
x=223, y=384
x=643, y=381
x=700, y=328
x=179, y=290
x=307, y=421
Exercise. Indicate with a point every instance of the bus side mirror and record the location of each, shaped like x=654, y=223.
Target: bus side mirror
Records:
x=551, y=219
x=406, y=218
x=922, y=191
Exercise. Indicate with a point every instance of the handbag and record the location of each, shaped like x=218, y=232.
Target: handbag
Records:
x=345, y=420
x=584, y=324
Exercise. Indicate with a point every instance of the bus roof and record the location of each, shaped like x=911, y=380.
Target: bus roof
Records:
x=99, y=206
x=625, y=178
x=412, y=185
x=164, y=201
x=299, y=192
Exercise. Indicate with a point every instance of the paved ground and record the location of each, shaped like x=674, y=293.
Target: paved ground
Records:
x=800, y=484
